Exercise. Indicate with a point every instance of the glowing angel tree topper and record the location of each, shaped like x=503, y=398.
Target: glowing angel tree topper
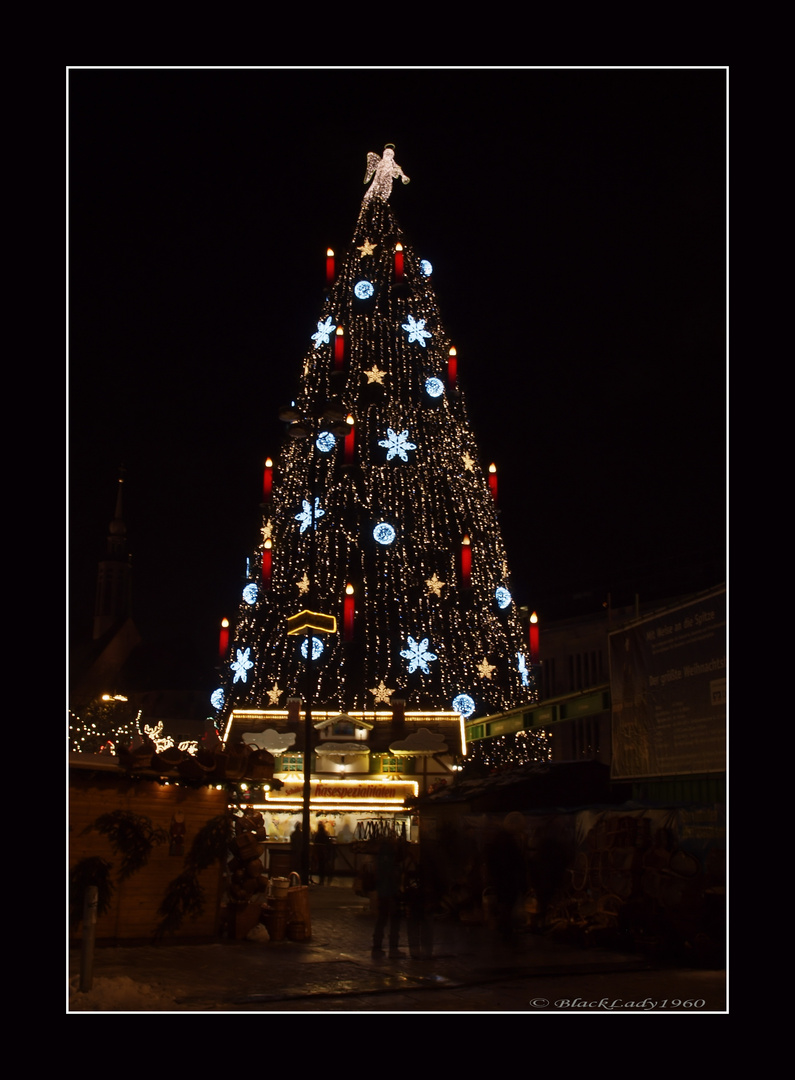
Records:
x=382, y=171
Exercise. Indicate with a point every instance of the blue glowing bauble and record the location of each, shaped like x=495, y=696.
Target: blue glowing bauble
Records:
x=503, y=597
x=325, y=441
x=317, y=648
x=434, y=387
x=250, y=593
x=464, y=704
x=217, y=698
x=363, y=290
x=426, y=268
x=383, y=533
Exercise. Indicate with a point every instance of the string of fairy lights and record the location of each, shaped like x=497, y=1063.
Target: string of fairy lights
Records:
x=397, y=510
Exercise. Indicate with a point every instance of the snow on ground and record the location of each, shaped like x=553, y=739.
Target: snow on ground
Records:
x=121, y=994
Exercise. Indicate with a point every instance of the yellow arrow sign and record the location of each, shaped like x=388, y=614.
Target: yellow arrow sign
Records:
x=311, y=620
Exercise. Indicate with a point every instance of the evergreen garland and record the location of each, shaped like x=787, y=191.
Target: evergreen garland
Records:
x=185, y=896
x=130, y=835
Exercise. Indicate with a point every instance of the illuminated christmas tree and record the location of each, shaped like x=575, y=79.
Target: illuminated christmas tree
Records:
x=379, y=516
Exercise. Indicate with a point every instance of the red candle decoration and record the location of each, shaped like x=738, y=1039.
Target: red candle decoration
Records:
x=466, y=562
x=267, y=564
x=398, y=262
x=348, y=613
x=329, y=267
x=349, y=441
x=452, y=369
x=267, y=481
x=493, y=481
x=339, y=349
x=534, y=638
x=223, y=638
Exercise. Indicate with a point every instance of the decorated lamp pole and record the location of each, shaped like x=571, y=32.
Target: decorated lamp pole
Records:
x=308, y=426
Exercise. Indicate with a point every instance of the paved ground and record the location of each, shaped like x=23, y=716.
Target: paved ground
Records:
x=472, y=970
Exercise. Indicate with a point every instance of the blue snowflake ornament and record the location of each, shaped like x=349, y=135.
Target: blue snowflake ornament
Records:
x=305, y=517
x=241, y=665
x=397, y=445
x=324, y=330
x=416, y=330
x=523, y=669
x=417, y=655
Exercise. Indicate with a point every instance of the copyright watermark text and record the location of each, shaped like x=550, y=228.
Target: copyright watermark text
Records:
x=610, y=1004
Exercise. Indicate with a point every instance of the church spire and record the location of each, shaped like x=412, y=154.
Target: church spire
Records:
x=114, y=593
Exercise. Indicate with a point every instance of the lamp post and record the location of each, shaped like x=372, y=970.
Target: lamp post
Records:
x=304, y=426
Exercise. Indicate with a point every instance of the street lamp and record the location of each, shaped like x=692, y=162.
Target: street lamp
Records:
x=335, y=420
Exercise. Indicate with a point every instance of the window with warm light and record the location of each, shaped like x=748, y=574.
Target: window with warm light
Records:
x=291, y=763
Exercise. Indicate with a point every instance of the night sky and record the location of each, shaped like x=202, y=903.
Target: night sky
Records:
x=576, y=223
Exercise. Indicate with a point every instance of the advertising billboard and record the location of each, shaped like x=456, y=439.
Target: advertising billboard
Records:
x=668, y=691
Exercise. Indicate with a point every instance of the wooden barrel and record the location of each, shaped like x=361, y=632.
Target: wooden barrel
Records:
x=298, y=908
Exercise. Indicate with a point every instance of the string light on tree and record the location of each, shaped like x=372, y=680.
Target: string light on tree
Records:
x=383, y=507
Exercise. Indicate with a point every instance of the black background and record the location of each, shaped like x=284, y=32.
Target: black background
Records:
x=576, y=223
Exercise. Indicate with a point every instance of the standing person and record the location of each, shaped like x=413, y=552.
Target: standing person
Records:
x=325, y=855
x=296, y=848
x=420, y=901
x=506, y=872
x=388, y=874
